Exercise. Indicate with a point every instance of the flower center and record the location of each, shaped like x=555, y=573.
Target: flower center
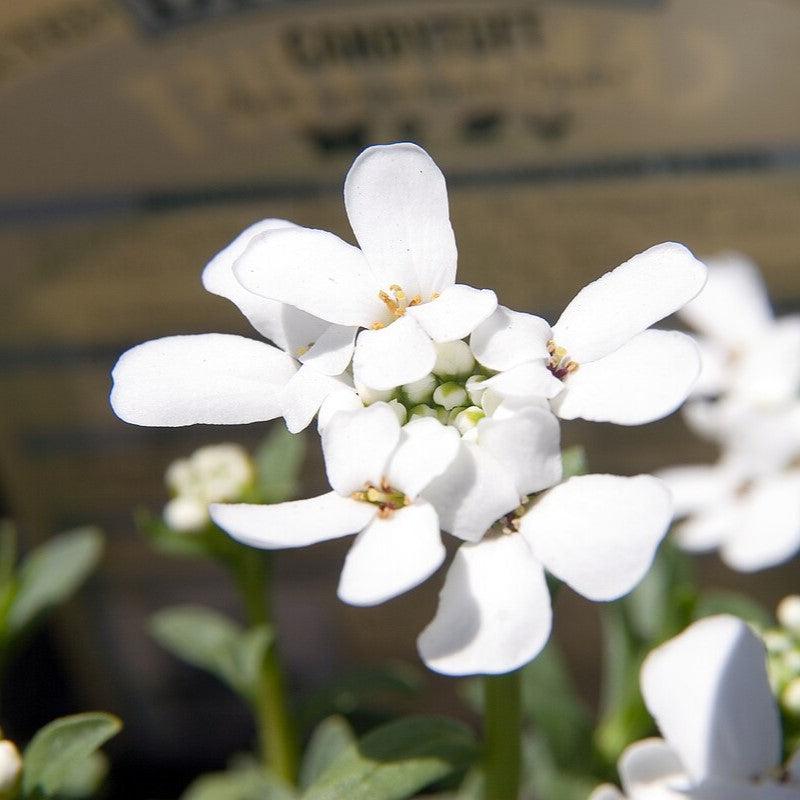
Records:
x=396, y=302
x=560, y=363
x=387, y=498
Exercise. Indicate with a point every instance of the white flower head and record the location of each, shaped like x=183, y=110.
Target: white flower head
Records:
x=377, y=471
x=398, y=285
x=597, y=533
x=708, y=692
x=10, y=768
x=601, y=361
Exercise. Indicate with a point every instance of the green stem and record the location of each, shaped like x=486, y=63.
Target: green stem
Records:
x=276, y=731
x=502, y=728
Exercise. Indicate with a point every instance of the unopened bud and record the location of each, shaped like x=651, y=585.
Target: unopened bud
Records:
x=399, y=409
x=449, y=395
x=453, y=359
x=475, y=389
x=422, y=411
x=10, y=768
x=788, y=613
x=185, y=514
x=490, y=401
x=420, y=391
x=468, y=419
x=369, y=396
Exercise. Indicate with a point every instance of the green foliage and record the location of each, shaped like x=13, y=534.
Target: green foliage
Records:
x=330, y=739
x=279, y=460
x=85, y=777
x=210, y=542
x=209, y=640
x=721, y=602
x=396, y=760
x=60, y=750
x=247, y=781
x=49, y=575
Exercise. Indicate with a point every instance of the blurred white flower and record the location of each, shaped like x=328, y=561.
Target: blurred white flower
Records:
x=10, y=768
x=377, y=471
x=597, y=533
x=399, y=285
x=212, y=474
x=601, y=361
x=708, y=692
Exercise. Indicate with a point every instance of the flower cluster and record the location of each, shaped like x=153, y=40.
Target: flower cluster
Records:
x=783, y=655
x=747, y=401
x=213, y=474
x=708, y=691
x=437, y=408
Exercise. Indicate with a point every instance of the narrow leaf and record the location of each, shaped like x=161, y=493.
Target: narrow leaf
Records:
x=51, y=757
x=329, y=740
x=396, y=760
x=252, y=783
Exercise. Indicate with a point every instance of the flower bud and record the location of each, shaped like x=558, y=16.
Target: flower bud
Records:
x=422, y=411
x=449, y=395
x=185, y=514
x=468, y=419
x=10, y=768
x=399, y=409
x=224, y=471
x=453, y=359
x=420, y=391
x=474, y=388
x=788, y=613
x=790, y=697
x=369, y=396
x=490, y=400
x=776, y=641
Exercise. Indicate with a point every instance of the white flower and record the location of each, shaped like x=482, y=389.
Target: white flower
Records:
x=10, y=768
x=598, y=533
x=746, y=350
x=752, y=518
x=601, y=361
x=399, y=285
x=708, y=692
x=212, y=474
x=377, y=471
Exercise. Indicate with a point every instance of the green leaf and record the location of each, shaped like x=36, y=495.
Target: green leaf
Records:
x=51, y=757
x=544, y=778
x=329, y=740
x=51, y=573
x=85, y=777
x=209, y=640
x=573, y=461
x=722, y=602
x=210, y=542
x=278, y=463
x=248, y=783
x=396, y=760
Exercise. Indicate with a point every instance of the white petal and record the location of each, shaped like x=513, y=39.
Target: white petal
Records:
x=392, y=555
x=599, y=533
x=344, y=399
x=527, y=446
x=210, y=378
x=332, y=350
x=767, y=532
x=455, y=313
x=290, y=328
x=643, y=381
x=509, y=338
x=304, y=394
x=649, y=764
x=314, y=271
x=715, y=373
x=614, y=308
x=698, y=486
x=730, y=790
x=494, y=610
x=733, y=307
x=399, y=353
x=708, y=528
x=294, y=524
x=606, y=792
x=708, y=691
x=472, y=494
x=427, y=448
x=531, y=379
x=357, y=446
x=396, y=200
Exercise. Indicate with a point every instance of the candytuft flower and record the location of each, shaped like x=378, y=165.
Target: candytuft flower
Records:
x=377, y=472
x=601, y=361
x=597, y=533
x=708, y=692
x=399, y=286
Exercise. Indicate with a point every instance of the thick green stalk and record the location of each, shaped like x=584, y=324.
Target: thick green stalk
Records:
x=276, y=731
x=502, y=729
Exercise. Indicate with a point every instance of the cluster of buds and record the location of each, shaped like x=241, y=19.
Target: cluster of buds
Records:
x=783, y=655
